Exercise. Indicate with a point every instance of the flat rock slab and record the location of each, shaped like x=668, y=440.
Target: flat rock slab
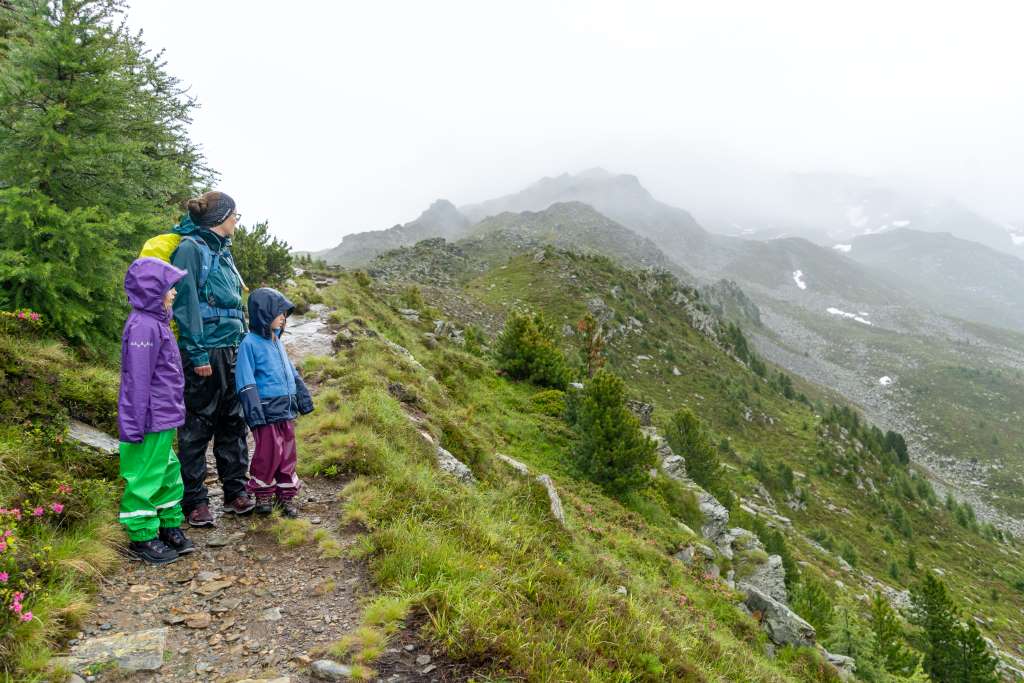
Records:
x=92, y=437
x=140, y=651
x=327, y=670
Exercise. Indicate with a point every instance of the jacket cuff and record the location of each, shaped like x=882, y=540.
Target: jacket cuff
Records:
x=200, y=359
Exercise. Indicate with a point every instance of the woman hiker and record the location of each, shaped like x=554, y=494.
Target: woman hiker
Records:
x=208, y=311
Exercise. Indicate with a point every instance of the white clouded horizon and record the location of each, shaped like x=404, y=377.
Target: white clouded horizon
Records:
x=332, y=118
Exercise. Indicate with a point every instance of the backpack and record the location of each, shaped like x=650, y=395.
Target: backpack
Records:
x=163, y=248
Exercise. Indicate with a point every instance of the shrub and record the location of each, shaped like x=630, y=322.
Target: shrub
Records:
x=262, y=260
x=526, y=349
x=687, y=437
x=812, y=602
x=611, y=450
x=550, y=402
x=681, y=502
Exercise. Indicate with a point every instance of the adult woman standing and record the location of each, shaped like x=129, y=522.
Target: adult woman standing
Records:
x=208, y=311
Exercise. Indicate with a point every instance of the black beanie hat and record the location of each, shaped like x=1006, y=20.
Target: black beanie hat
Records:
x=212, y=209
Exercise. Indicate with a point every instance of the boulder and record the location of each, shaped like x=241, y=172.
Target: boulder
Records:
x=556, y=503
x=88, y=435
x=783, y=625
x=138, y=651
x=675, y=467
x=643, y=411
x=847, y=666
x=452, y=465
x=519, y=467
x=328, y=670
x=770, y=577
x=716, y=516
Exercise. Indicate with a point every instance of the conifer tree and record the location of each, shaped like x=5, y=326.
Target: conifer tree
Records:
x=611, y=450
x=93, y=153
x=687, y=437
x=887, y=639
x=954, y=652
x=90, y=116
x=526, y=349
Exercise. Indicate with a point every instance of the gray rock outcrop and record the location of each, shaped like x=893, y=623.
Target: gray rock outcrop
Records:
x=783, y=625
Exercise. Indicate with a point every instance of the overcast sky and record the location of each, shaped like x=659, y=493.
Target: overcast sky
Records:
x=335, y=117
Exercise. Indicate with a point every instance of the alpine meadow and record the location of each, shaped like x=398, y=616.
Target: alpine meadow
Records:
x=716, y=421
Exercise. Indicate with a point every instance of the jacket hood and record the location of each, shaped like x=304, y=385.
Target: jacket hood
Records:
x=265, y=304
x=146, y=282
x=185, y=226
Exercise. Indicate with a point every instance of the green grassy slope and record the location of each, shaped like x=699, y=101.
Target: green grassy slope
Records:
x=858, y=502
x=53, y=558
x=501, y=583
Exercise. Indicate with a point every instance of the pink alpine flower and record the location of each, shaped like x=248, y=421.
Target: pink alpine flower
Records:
x=16, y=512
x=3, y=546
x=64, y=488
x=4, y=576
x=26, y=616
x=57, y=508
x=38, y=512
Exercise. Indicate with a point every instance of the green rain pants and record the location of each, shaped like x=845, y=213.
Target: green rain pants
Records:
x=153, y=489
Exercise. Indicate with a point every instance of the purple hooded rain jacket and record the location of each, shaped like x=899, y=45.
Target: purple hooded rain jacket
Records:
x=152, y=384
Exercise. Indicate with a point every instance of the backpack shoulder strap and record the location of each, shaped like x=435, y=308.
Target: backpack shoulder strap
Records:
x=209, y=263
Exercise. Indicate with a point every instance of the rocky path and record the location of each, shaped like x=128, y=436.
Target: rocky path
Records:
x=244, y=607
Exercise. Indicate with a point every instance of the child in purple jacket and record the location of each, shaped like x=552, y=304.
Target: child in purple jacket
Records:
x=150, y=407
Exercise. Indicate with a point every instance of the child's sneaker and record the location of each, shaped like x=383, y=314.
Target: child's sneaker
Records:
x=177, y=540
x=153, y=551
x=287, y=508
x=264, y=505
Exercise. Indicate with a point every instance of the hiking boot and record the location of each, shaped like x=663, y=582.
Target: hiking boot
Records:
x=241, y=505
x=201, y=516
x=287, y=508
x=264, y=505
x=153, y=551
x=177, y=540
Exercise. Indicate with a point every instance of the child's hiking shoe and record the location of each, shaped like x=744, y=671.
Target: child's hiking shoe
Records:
x=264, y=505
x=201, y=516
x=287, y=508
x=177, y=540
x=153, y=551
x=241, y=505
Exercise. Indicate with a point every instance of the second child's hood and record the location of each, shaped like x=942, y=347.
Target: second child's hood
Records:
x=147, y=281
x=265, y=304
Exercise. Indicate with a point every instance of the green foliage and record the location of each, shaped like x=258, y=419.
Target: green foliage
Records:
x=526, y=349
x=610, y=449
x=64, y=264
x=687, y=437
x=91, y=117
x=550, y=402
x=94, y=152
x=412, y=298
x=848, y=553
x=812, y=602
x=953, y=651
x=680, y=501
x=887, y=644
x=262, y=259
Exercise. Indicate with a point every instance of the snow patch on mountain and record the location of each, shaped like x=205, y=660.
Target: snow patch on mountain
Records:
x=852, y=316
x=798, y=278
x=845, y=248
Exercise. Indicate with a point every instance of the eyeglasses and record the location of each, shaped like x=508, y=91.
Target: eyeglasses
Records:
x=238, y=216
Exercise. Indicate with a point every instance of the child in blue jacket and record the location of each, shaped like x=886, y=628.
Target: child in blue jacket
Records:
x=272, y=395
